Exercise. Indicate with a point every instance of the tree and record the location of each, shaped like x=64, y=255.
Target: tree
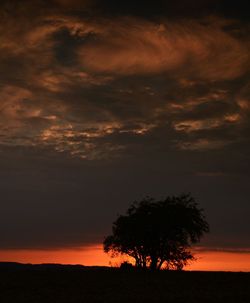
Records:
x=158, y=233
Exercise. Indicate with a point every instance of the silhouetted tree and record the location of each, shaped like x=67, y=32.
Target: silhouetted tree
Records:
x=157, y=233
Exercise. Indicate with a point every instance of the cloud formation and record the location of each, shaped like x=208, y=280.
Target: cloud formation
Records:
x=71, y=78
x=188, y=49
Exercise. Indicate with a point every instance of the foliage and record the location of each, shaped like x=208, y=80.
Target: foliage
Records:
x=158, y=233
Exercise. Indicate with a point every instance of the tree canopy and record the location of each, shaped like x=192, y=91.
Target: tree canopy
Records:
x=158, y=233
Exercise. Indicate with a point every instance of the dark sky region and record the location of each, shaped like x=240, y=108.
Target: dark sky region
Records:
x=105, y=102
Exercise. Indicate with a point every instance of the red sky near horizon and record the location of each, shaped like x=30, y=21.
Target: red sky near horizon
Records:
x=94, y=256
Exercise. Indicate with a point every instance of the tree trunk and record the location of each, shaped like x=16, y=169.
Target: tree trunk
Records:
x=153, y=264
x=160, y=264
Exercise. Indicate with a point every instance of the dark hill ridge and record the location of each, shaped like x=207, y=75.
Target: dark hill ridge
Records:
x=45, y=266
x=54, y=283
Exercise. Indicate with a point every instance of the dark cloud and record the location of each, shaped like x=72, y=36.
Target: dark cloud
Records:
x=171, y=8
x=147, y=9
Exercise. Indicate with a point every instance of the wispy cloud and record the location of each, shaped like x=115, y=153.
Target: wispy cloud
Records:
x=131, y=47
x=81, y=85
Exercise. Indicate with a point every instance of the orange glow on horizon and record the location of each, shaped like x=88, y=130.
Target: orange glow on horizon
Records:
x=89, y=256
x=221, y=261
x=94, y=256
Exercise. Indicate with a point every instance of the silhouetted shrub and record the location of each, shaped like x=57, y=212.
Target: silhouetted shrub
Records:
x=126, y=266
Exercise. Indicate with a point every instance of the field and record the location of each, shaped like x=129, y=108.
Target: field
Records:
x=77, y=284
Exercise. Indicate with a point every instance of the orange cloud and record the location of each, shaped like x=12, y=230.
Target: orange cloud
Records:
x=130, y=47
x=201, y=144
x=196, y=125
x=42, y=94
x=78, y=140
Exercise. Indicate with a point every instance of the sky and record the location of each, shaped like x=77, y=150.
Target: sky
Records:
x=105, y=102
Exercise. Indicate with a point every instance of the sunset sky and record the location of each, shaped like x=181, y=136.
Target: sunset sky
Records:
x=104, y=102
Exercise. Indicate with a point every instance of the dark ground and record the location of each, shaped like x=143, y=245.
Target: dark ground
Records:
x=77, y=284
